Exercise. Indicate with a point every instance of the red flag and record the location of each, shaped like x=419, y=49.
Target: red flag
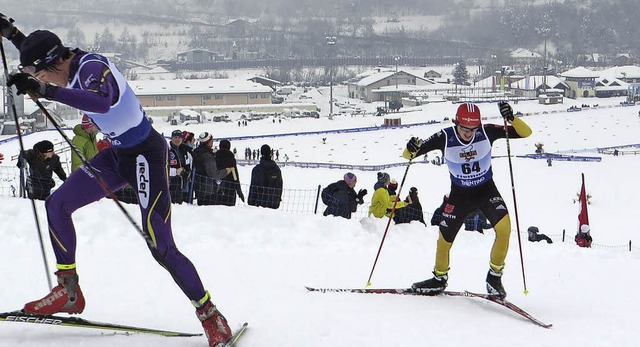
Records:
x=583, y=216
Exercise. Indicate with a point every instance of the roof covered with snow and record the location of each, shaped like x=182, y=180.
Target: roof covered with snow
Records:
x=580, y=72
x=199, y=86
x=610, y=83
x=371, y=79
x=621, y=72
x=522, y=53
x=379, y=75
x=521, y=83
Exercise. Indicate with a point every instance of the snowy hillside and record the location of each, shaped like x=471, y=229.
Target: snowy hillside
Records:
x=256, y=262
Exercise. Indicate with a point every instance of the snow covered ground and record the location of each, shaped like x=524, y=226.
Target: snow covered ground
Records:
x=256, y=262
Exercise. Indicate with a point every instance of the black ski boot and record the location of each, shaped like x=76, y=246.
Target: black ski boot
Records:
x=494, y=284
x=432, y=286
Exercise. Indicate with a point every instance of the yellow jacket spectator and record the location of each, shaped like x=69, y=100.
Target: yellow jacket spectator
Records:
x=85, y=141
x=381, y=202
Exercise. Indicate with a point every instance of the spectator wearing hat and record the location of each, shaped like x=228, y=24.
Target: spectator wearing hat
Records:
x=138, y=156
x=84, y=140
x=43, y=162
x=207, y=174
x=534, y=235
x=381, y=202
x=341, y=198
x=230, y=184
x=188, y=141
x=466, y=148
x=266, y=182
x=583, y=237
x=399, y=215
x=392, y=188
x=188, y=145
x=412, y=210
x=179, y=172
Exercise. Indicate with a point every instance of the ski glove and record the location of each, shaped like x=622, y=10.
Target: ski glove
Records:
x=25, y=83
x=6, y=27
x=506, y=111
x=360, y=196
x=413, y=146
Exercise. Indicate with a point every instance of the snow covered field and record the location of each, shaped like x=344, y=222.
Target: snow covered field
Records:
x=256, y=262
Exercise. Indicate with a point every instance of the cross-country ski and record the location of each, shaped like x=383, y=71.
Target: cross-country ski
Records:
x=409, y=291
x=237, y=335
x=77, y=322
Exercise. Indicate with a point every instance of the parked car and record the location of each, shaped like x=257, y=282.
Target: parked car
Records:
x=284, y=91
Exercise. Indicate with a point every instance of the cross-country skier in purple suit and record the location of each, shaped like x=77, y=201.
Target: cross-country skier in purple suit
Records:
x=138, y=157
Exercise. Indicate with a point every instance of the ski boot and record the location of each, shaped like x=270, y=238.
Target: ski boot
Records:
x=214, y=324
x=432, y=286
x=65, y=297
x=494, y=284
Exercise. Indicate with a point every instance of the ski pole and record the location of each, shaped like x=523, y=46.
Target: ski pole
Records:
x=515, y=206
x=18, y=132
x=93, y=171
x=393, y=210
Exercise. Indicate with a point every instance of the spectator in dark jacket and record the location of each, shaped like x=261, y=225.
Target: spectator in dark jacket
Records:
x=207, y=173
x=341, y=198
x=187, y=146
x=266, y=182
x=412, y=210
x=535, y=237
x=230, y=184
x=43, y=162
x=178, y=171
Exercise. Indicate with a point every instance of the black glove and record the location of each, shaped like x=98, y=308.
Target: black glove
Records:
x=506, y=111
x=360, y=196
x=26, y=83
x=414, y=145
x=6, y=27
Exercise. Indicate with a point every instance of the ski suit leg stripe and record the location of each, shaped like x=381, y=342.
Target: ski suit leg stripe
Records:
x=145, y=168
x=149, y=228
x=55, y=238
x=501, y=243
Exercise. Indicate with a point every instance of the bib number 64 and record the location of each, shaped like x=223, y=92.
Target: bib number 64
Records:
x=467, y=168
